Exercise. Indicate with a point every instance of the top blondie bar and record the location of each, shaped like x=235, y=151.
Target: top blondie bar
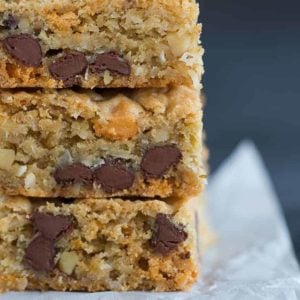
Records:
x=99, y=43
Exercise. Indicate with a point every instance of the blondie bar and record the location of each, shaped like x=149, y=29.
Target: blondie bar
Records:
x=96, y=244
x=65, y=143
x=116, y=43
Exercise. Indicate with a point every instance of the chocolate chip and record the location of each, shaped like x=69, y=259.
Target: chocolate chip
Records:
x=50, y=226
x=114, y=176
x=10, y=22
x=166, y=236
x=110, y=61
x=159, y=159
x=40, y=254
x=73, y=174
x=68, y=66
x=25, y=49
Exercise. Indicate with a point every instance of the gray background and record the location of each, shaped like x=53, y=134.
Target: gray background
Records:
x=252, y=85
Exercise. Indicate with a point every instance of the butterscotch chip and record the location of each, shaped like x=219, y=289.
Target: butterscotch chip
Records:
x=121, y=123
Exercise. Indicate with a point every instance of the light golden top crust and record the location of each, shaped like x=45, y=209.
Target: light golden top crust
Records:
x=107, y=19
x=63, y=16
x=177, y=8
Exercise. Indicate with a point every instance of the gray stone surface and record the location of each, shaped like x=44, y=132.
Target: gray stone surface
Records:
x=252, y=83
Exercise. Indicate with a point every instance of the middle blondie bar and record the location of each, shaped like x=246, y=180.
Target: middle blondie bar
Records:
x=68, y=143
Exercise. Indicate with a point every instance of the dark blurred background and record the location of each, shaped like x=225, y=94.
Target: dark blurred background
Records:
x=252, y=83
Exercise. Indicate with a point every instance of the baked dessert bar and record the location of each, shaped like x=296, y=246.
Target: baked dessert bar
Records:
x=89, y=43
x=95, y=245
x=65, y=143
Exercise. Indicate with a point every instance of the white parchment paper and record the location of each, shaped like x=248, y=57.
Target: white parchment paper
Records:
x=252, y=258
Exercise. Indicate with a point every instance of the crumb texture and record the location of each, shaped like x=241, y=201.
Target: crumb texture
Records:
x=107, y=247
x=121, y=43
x=61, y=143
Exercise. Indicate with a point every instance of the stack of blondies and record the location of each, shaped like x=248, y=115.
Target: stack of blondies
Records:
x=102, y=165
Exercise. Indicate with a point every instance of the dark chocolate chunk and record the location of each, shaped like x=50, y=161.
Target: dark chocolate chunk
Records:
x=40, y=254
x=110, y=61
x=73, y=174
x=25, y=49
x=68, y=66
x=166, y=235
x=159, y=159
x=50, y=226
x=10, y=22
x=114, y=176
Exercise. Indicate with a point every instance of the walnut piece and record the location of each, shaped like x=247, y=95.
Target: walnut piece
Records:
x=7, y=157
x=68, y=262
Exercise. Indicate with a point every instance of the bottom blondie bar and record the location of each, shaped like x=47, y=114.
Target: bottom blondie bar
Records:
x=97, y=244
